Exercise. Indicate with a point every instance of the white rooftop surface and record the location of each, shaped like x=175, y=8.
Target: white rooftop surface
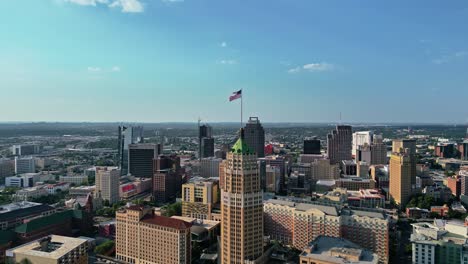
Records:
x=327, y=244
x=15, y=206
x=33, y=248
x=208, y=224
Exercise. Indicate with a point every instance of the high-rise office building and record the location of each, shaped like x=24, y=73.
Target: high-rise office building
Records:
x=272, y=179
x=276, y=161
x=360, y=138
x=167, y=178
x=339, y=144
x=207, y=147
x=401, y=177
x=22, y=150
x=142, y=237
x=205, y=142
x=312, y=146
x=7, y=168
x=198, y=198
x=241, y=207
x=127, y=136
x=374, y=153
x=141, y=158
x=25, y=165
x=400, y=145
x=463, y=148
x=255, y=136
x=107, y=183
x=378, y=151
x=209, y=167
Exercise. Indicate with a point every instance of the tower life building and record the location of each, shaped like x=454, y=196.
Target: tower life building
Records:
x=127, y=136
x=312, y=146
x=205, y=142
x=255, y=136
x=339, y=144
x=241, y=207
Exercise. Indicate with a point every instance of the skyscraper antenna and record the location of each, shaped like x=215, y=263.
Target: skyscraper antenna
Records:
x=340, y=117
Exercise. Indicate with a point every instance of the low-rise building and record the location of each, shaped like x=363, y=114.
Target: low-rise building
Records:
x=51, y=250
x=441, y=242
x=27, y=194
x=333, y=250
x=354, y=183
x=58, y=187
x=74, y=179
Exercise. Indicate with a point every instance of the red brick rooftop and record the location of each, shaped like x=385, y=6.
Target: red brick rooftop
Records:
x=166, y=222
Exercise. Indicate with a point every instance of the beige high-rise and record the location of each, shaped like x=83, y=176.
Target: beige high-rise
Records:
x=107, y=183
x=400, y=177
x=198, y=198
x=241, y=207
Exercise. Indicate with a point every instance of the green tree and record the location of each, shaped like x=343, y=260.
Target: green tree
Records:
x=105, y=247
x=172, y=209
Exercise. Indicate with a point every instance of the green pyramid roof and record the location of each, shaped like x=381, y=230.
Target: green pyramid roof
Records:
x=240, y=147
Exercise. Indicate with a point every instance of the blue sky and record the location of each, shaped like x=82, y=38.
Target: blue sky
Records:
x=174, y=60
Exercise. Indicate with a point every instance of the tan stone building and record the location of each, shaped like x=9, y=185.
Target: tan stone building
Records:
x=142, y=237
x=241, y=207
x=51, y=250
x=198, y=198
x=401, y=177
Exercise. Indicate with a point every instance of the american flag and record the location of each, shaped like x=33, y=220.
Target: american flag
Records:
x=235, y=95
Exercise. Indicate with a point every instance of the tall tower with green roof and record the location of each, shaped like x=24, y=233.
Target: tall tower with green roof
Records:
x=241, y=206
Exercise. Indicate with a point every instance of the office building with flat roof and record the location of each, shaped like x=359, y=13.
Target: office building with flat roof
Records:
x=51, y=250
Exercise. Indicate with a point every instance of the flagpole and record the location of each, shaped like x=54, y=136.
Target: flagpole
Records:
x=241, y=108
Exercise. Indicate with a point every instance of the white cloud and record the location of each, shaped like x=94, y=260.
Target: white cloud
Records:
x=450, y=57
x=128, y=6
x=94, y=69
x=313, y=67
x=88, y=2
x=228, y=62
x=461, y=53
x=223, y=44
x=115, y=69
x=294, y=70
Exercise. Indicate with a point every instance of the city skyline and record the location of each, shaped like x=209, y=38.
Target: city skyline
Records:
x=174, y=60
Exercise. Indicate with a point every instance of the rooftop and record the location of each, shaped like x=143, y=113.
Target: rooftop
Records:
x=329, y=210
x=240, y=147
x=166, y=222
x=22, y=209
x=208, y=224
x=339, y=251
x=52, y=247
